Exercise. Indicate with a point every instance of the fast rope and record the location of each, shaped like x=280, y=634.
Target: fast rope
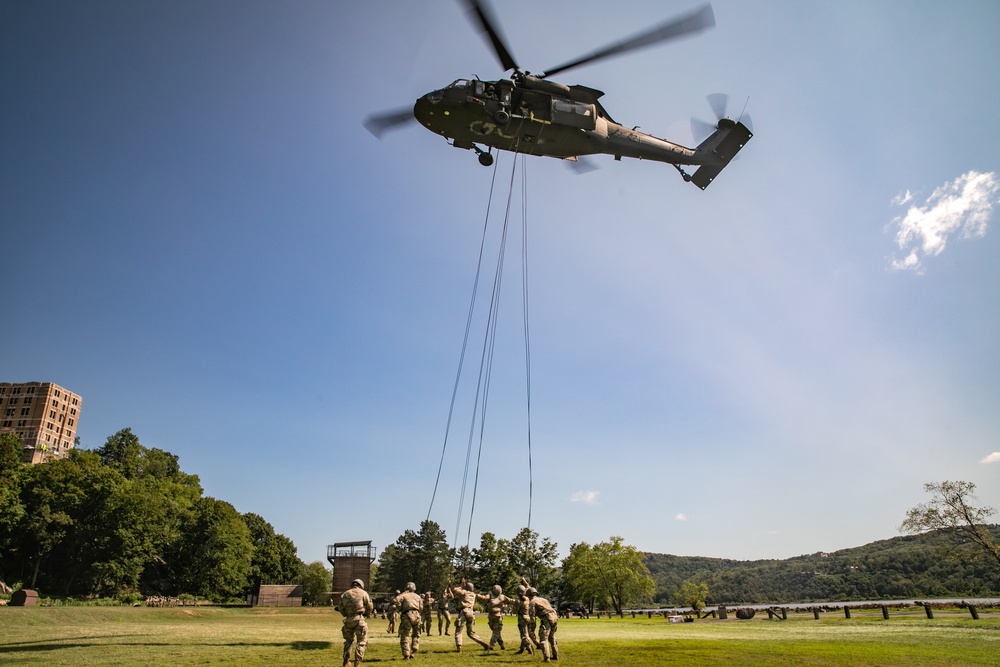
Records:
x=481, y=402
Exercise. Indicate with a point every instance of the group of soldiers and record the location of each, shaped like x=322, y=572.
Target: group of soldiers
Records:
x=415, y=617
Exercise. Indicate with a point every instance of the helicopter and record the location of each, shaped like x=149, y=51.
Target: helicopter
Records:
x=531, y=114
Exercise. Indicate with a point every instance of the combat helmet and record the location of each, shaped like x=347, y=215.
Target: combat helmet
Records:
x=357, y=583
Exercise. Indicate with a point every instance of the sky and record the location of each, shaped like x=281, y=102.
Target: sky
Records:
x=200, y=238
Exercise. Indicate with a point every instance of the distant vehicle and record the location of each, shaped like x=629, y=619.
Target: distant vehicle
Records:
x=572, y=608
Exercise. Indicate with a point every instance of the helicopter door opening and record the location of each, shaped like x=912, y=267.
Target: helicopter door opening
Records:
x=574, y=114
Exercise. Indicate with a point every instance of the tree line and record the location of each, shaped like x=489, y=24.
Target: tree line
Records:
x=125, y=520
x=607, y=575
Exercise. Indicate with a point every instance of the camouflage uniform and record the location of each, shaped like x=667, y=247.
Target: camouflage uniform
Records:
x=548, y=620
x=410, y=606
x=444, y=616
x=525, y=624
x=427, y=612
x=391, y=613
x=494, y=604
x=465, y=598
x=355, y=605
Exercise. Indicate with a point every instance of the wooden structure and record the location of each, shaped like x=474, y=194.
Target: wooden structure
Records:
x=276, y=595
x=350, y=560
x=23, y=598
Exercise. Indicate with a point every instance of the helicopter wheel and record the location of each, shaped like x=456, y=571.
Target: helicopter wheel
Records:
x=502, y=117
x=485, y=159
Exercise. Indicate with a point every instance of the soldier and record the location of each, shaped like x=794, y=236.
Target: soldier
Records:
x=548, y=620
x=427, y=612
x=494, y=604
x=465, y=597
x=444, y=616
x=355, y=605
x=525, y=624
x=391, y=613
x=410, y=606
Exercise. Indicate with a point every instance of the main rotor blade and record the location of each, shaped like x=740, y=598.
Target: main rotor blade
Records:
x=698, y=20
x=379, y=123
x=481, y=16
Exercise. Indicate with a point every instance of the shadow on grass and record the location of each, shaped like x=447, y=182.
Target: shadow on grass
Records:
x=29, y=647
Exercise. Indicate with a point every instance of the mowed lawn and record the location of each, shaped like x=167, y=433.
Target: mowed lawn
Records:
x=81, y=636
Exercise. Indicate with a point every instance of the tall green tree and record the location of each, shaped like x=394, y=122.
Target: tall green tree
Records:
x=217, y=551
x=316, y=580
x=609, y=574
x=492, y=562
x=535, y=558
x=422, y=557
x=953, y=509
x=274, y=559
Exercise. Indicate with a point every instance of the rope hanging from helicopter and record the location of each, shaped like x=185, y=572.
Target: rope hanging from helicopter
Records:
x=482, y=393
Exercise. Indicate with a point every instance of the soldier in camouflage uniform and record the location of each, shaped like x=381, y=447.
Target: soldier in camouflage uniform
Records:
x=355, y=605
x=428, y=612
x=410, y=606
x=465, y=598
x=444, y=616
x=548, y=620
x=494, y=604
x=391, y=613
x=525, y=624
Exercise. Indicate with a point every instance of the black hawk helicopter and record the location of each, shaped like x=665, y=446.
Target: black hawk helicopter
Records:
x=530, y=114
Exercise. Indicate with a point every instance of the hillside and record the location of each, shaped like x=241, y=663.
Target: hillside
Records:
x=901, y=567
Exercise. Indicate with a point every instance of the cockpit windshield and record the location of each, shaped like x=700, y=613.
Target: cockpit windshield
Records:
x=459, y=83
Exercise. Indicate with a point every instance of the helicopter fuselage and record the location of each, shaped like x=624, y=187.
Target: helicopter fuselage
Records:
x=540, y=117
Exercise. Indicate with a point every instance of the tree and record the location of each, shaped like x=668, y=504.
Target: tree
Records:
x=607, y=574
x=316, y=581
x=534, y=559
x=217, y=551
x=492, y=563
x=422, y=557
x=694, y=595
x=274, y=558
x=952, y=509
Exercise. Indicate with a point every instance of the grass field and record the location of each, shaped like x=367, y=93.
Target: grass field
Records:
x=81, y=636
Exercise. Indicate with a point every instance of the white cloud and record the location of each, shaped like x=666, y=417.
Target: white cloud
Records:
x=681, y=517
x=992, y=458
x=899, y=200
x=960, y=206
x=586, y=497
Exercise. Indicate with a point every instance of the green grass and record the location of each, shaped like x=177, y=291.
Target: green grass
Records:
x=82, y=636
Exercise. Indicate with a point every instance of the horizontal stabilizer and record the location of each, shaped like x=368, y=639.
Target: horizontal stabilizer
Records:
x=723, y=145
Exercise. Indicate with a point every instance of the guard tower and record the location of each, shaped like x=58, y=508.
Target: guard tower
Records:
x=350, y=560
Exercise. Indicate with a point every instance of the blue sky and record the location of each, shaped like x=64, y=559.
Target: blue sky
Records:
x=206, y=244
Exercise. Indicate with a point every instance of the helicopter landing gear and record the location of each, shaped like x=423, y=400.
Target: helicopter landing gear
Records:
x=686, y=176
x=502, y=117
x=485, y=158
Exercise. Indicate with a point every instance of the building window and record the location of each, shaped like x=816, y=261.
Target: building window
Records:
x=9, y=413
x=51, y=427
x=31, y=390
x=55, y=404
x=22, y=423
x=12, y=401
x=52, y=414
x=27, y=400
x=72, y=411
x=25, y=412
x=70, y=422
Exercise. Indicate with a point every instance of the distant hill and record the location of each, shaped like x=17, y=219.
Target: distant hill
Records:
x=901, y=567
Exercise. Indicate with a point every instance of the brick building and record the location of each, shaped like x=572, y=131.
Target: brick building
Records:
x=45, y=416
